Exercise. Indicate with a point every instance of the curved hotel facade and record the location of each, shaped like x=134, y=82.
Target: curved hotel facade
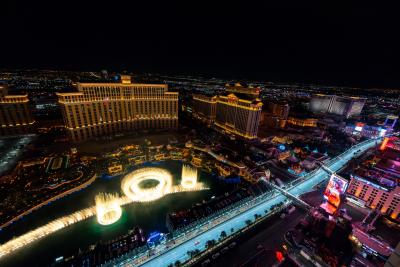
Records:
x=236, y=113
x=238, y=116
x=108, y=108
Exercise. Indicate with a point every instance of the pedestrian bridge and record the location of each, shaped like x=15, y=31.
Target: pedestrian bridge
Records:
x=289, y=195
x=328, y=170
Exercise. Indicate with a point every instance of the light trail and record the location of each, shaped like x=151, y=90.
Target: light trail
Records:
x=130, y=183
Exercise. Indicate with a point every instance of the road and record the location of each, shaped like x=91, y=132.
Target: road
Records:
x=270, y=235
x=197, y=238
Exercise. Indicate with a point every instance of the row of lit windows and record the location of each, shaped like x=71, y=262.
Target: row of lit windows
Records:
x=114, y=111
x=84, y=133
x=14, y=115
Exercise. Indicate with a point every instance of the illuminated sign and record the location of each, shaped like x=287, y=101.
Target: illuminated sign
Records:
x=335, y=188
x=358, y=128
x=282, y=147
x=155, y=238
x=384, y=143
x=279, y=256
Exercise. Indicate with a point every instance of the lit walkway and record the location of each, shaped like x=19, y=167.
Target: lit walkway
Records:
x=289, y=195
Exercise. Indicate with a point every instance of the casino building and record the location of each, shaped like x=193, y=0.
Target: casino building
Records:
x=338, y=105
x=237, y=113
x=15, y=115
x=302, y=122
x=375, y=183
x=204, y=108
x=99, y=109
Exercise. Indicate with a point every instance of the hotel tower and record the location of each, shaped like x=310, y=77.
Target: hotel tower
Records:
x=15, y=115
x=238, y=112
x=99, y=109
x=338, y=105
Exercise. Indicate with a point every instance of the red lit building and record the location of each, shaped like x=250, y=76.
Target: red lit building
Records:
x=376, y=182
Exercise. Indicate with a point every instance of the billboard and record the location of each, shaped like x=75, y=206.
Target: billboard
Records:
x=358, y=128
x=336, y=188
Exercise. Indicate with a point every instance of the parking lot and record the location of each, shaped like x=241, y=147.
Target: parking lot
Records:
x=269, y=235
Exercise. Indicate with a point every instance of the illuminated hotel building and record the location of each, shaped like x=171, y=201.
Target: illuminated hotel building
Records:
x=361, y=129
x=237, y=113
x=306, y=122
x=15, y=114
x=276, y=115
x=99, y=109
x=238, y=116
x=376, y=196
x=376, y=181
x=338, y=105
x=204, y=108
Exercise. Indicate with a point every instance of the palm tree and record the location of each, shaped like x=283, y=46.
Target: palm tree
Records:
x=210, y=243
x=248, y=222
x=223, y=234
x=232, y=230
x=177, y=263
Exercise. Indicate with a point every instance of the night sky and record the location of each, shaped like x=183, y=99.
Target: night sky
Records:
x=339, y=44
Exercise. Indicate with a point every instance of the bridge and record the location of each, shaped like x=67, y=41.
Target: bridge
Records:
x=218, y=157
x=328, y=170
x=325, y=168
x=232, y=220
x=290, y=196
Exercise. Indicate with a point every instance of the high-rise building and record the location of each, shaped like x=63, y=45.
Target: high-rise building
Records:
x=204, y=108
x=276, y=115
x=108, y=108
x=237, y=113
x=15, y=115
x=376, y=195
x=238, y=116
x=375, y=182
x=338, y=105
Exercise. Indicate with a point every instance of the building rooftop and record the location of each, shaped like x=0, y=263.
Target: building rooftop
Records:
x=381, y=169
